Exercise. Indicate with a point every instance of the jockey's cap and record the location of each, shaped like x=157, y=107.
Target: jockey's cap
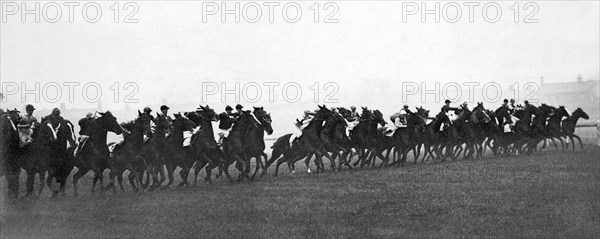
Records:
x=29, y=107
x=164, y=107
x=147, y=110
x=228, y=108
x=55, y=111
x=238, y=106
x=447, y=101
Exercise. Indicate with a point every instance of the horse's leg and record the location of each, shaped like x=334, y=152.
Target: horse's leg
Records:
x=42, y=176
x=29, y=183
x=170, y=169
x=132, y=178
x=183, y=173
x=76, y=177
x=578, y=139
x=307, y=162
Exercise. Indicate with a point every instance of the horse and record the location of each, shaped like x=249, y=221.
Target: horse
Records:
x=553, y=126
x=568, y=126
x=404, y=138
x=309, y=143
x=364, y=137
x=254, y=144
x=481, y=121
x=48, y=152
x=127, y=155
x=155, y=150
x=204, y=144
x=179, y=155
x=9, y=148
x=94, y=154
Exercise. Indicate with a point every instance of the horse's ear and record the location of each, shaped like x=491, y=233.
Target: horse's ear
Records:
x=139, y=113
x=102, y=114
x=157, y=115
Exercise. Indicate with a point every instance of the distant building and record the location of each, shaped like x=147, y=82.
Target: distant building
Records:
x=584, y=94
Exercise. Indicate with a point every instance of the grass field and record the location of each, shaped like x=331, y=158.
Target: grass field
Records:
x=549, y=194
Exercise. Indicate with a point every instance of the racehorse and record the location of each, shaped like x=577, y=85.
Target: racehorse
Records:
x=180, y=155
x=48, y=152
x=254, y=144
x=568, y=126
x=9, y=148
x=128, y=155
x=94, y=154
x=204, y=144
x=364, y=136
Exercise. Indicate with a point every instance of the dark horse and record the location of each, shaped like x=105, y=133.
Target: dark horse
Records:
x=309, y=143
x=364, y=137
x=9, y=148
x=179, y=155
x=48, y=152
x=127, y=155
x=94, y=154
x=254, y=144
x=568, y=126
x=204, y=144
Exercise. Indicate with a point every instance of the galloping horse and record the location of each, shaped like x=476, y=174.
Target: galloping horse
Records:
x=94, y=154
x=48, y=153
x=254, y=145
x=9, y=148
x=128, y=155
x=179, y=155
x=568, y=126
x=204, y=144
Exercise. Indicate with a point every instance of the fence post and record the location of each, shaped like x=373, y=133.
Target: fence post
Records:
x=598, y=131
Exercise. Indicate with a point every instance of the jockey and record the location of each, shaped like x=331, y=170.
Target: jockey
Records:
x=353, y=114
x=28, y=122
x=400, y=121
x=511, y=106
x=352, y=119
x=225, y=122
x=164, y=113
x=505, y=103
x=301, y=124
x=54, y=116
x=447, y=108
x=239, y=110
x=147, y=111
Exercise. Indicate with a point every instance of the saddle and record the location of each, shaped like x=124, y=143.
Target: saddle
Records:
x=80, y=143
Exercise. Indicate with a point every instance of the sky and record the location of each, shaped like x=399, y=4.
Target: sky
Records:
x=366, y=56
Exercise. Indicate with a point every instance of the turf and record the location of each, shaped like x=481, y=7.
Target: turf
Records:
x=549, y=194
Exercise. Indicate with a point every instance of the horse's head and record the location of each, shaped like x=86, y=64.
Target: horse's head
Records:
x=377, y=117
x=108, y=122
x=207, y=113
x=422, y=112
x=561, y=111
x=14, y=116
x=366, y=114
x=579, y=113
x=323, y=114
x=546, y=109
x=182, y=123
x=162, y=124
x=264, y=119
x=142, y=123
x=480, y=114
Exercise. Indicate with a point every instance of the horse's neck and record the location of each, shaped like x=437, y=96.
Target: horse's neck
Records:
x=206, y=127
